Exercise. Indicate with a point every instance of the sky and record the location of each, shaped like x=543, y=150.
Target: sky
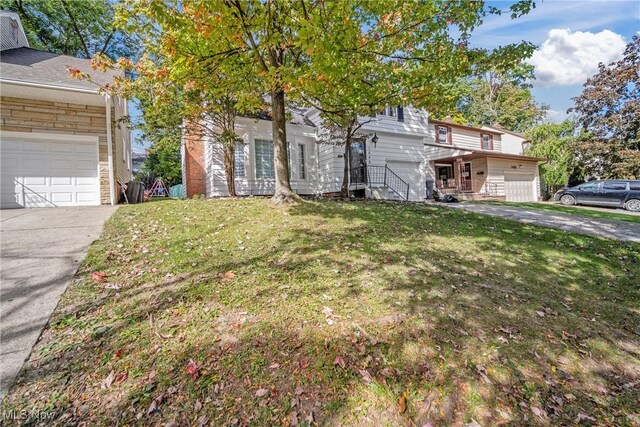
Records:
x=571, y=36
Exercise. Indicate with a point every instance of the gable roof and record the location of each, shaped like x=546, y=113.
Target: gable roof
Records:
x=501, y=129
x=36, y=66
x=456, y=125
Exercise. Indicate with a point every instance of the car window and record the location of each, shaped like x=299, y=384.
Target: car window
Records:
x=615, y=186
x=634, y=186
x=589, y=186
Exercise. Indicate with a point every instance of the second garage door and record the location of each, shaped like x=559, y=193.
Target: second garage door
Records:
x=519, y=188
x=49, y=170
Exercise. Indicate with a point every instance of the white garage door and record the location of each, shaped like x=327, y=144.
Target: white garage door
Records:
x=409, y=172
x=48, y=170
x=519, y=188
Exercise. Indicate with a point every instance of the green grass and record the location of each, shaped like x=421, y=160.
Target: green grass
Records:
x=580, y=211
x=326, y=313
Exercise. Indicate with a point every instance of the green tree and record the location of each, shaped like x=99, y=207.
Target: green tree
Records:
x=556, y=142
x=81, y=28
x=609, y=109
x=500, y=95
x=163, y=161
x=293, y=48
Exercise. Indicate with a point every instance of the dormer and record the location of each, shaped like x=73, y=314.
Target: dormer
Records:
x=12, y=34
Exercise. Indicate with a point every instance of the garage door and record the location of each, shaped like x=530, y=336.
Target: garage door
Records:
x=409, y=172
x=519, y=188
x=47, y=171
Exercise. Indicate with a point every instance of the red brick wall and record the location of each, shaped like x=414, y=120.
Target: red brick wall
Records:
x=194, y=163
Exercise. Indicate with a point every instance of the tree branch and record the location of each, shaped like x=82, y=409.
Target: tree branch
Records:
x=75, y=28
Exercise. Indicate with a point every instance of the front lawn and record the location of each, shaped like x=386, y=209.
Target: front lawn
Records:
x=232, y=312
x=573, y=210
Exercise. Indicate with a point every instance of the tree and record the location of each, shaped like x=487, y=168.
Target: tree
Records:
x=500, y=96
x=556, y=142
x=81, y=28
x=163, y=161
x=609, y=109
x=291, y=48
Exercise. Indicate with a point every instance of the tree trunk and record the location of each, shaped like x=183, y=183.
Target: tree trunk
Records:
x=283, y=193
x=344, y=190
x=229, y=168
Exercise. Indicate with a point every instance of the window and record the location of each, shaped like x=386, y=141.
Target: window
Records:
x=444, y=134
x=264, y=159
x=487, y=141
x=393, y=112
x=634, y=185
x=589, y=186
x=302, y=167
x=238, y=160
x=615, y=186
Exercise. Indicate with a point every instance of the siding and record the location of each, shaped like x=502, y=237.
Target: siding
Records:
x=250, y=130
x=396, y=148
x=497, y=168
x=463, y=138
x=31, y=115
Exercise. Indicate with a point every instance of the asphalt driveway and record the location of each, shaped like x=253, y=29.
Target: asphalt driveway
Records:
x=41, y=250
x=608, y=228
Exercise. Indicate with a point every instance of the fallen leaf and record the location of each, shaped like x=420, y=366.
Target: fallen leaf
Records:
x=338, y=361
x=261, y=392
x=540, y=313
x=192, y=369
x=106, y=383
x=538, y=412
x=402, y=403
x=155, y=404
x=293, y=418
x=118, y=354
x=298, y=391
x=98, y=276
x=122, y=377
x=582, y=417
x=366, y=376
x=198, y=406
x=327, y=311
x=274, y=366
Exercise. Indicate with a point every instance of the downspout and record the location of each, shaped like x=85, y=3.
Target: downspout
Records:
x=112, y=189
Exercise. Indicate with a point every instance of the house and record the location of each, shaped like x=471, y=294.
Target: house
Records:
x=403, y=156
x=62, y=143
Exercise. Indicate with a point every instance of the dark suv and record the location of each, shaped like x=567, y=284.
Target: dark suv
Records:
x=619, y=193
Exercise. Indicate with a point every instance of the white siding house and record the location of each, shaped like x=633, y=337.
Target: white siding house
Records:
x=404, y=157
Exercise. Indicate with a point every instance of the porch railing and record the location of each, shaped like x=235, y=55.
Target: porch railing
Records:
x=379, y=175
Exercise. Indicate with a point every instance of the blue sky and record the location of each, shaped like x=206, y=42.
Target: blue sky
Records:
x=572, y=37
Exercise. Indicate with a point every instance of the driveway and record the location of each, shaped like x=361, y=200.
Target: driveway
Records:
x=41, y=250
x=608, y=228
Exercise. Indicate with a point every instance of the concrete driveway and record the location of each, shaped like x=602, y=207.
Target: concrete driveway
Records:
x=41, y=250
x=608, y=228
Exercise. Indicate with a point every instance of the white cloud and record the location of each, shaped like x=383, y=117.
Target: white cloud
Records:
x=567, y=57
x=556, y=116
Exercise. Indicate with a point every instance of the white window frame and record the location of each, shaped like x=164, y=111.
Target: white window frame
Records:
x=258, y=175
x=238, y=154
x=302, y=162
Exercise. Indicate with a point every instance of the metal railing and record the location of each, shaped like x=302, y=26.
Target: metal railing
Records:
x=379, y=175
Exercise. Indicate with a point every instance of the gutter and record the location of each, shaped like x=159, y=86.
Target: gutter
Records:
x=112, y=189
x=49, y=86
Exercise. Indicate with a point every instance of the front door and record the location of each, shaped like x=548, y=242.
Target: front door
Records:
x=358, y=162
x=465, y=176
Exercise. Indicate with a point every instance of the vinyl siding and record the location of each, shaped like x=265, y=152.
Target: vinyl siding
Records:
x=497, y=168
x=250, y=130
x=466, y=139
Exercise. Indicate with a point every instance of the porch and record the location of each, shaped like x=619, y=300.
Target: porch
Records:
x=487, y=175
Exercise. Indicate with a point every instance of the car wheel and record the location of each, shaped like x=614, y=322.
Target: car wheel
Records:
x=632, y=205
x=568, y=199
